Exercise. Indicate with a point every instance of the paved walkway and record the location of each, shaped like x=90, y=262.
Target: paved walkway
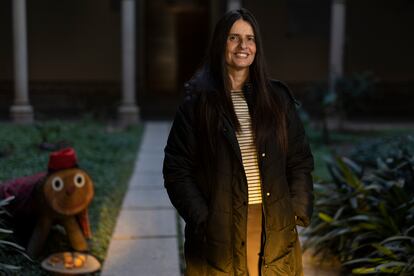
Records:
x=145, y=238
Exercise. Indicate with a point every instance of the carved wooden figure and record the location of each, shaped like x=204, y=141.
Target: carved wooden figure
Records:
x=60, y=196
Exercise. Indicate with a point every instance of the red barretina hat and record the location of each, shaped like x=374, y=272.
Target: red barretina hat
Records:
x=62, y=159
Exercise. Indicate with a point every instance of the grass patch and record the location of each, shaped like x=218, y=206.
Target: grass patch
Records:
x=108, y=155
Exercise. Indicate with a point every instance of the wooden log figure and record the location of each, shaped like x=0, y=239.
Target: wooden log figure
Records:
x=59, y=196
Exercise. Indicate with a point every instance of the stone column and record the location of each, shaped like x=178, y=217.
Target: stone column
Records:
x=128, y=111
x=337, y=42
x=21, y=111
x=233, y=4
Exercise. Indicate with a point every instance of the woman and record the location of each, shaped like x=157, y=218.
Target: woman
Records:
x=237, y=163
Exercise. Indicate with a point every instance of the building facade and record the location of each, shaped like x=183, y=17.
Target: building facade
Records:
x=76, y=61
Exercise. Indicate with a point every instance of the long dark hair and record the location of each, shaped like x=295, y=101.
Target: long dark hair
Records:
x=268, y=114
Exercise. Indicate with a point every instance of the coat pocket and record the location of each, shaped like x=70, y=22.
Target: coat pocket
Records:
x=218, y=257
x=281, y=250
x=288, y=265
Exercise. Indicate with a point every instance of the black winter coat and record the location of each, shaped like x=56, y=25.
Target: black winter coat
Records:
x=216, y=216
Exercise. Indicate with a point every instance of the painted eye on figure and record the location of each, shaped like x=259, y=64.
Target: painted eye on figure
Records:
x=79, y=180
x=57, y=184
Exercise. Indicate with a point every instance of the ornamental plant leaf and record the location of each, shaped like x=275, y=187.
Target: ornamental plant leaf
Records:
x=408, y=230
x=325, y=217
x=364, y=260
x=391, y=267
x=384, y=250
x=364, y=270
x=350, y=178
x=9, y=267
x=398, y=238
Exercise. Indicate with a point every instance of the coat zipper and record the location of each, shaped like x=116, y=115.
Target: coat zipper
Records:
x=264, y=223
x=247, y=216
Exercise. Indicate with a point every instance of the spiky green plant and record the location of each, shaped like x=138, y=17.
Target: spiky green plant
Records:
x=366, y=220
x=6, y=245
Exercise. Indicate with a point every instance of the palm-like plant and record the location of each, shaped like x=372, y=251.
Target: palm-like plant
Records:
x=367, y=220
x=5, y=244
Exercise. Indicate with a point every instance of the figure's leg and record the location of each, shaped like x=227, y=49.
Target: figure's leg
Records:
x=39, y=236
x=75, y=235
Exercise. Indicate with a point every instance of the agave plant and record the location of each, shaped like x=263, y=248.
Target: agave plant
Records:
x=5, y=244
x=366, y=220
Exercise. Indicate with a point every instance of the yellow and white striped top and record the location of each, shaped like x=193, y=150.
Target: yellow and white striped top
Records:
x=247, y=147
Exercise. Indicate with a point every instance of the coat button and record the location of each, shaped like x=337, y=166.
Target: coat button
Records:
x=244, y=203
x=266, y=266
x=242, y=243
x=267, y=194
x=263, y=154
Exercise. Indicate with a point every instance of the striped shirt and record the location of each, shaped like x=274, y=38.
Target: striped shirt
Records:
x=247, y=147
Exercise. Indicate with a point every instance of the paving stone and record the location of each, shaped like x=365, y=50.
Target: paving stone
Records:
x=145, y=223
x=148, y=188
x=154, y=144
x=151, y=137
x=155, y=139
x=146, y=199
x=142, y=257
x=154, y=149
x=182, y=226
x=146, y=179
x=145, y=156
x=149, y=163
x=158, y=127
x=159, y=152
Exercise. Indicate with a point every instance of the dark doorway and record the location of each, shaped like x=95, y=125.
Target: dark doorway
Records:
x=175, y=40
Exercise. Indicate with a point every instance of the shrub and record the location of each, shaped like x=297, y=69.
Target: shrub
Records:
x=366, y=219
x=386, y=149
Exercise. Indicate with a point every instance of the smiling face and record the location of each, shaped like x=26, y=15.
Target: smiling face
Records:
x=241, y=46
x=68, y=191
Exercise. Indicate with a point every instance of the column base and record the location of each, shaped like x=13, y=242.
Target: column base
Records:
x=22, y=114
x=128, y=115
